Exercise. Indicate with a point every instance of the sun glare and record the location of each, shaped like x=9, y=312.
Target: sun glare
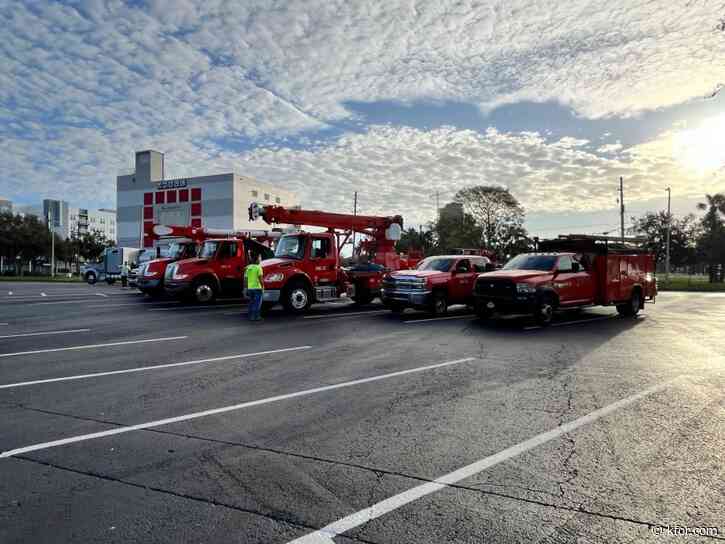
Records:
x=703, y=148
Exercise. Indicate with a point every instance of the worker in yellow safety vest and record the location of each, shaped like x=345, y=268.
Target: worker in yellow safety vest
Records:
x=254, y=289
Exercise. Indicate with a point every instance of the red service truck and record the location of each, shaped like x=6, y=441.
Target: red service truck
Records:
x=572, y=271
x=307, y=266
x=218, y=269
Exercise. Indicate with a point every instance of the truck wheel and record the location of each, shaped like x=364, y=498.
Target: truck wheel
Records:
x=204, y=291
x=90, y=278
x=440, y=303
x=297, y=298
x=545, y=311
x=631, y=309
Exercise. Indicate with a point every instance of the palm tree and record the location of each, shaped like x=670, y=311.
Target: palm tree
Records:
x=714, y=231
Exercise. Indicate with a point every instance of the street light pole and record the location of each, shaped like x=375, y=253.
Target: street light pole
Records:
x=669, y=228
x=52, y=244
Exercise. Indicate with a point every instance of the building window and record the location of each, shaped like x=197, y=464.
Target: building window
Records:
x=196, y=194
x=148, y=212
x=148, y=199
x=184, y=195
x=255, y=192
x=196, y=208
x=266, y=196
x=170, y=197
x=277, y=200
x=160, y=197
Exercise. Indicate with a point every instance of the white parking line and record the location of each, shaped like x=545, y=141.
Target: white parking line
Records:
x=225, y=409
x=76, y=301
x=138, y=304
x=347, y=314
x=3, y=324
x=327, y=533
x=41, y=333
x=154, y=367
x=91, y=346
x=467, y=316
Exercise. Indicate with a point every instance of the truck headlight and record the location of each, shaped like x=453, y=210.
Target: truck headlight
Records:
x=525, y=288
x=179, y=275
x=274, y=277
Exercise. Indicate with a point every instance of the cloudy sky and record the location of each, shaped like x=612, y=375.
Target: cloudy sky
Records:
x=395, y=99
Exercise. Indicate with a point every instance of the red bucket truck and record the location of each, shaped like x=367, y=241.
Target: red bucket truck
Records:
x=570, y=272
x=307, y=266
x=219, y=266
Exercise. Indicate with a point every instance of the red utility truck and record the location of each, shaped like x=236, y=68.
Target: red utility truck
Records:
x=307, y=266
x=436, y=283
x=569, y=272
x=219, y=267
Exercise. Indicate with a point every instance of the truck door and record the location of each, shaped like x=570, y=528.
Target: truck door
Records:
x=627, y=277
x=574, y=285
x=230, y=260
x=463, y=276
x=323, y=260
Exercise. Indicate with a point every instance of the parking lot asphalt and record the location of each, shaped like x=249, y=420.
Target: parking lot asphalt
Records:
x=125, y=419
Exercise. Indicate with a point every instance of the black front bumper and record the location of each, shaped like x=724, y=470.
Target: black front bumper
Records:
x=175, y=288
x=505, y=305
x=148, y=284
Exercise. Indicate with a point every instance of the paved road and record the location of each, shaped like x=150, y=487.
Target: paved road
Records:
x=128, y=420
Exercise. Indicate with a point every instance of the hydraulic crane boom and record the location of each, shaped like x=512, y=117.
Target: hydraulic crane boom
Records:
x=384, y=230
x=200, y=234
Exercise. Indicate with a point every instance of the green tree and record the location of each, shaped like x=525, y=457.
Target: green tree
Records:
x=684, y=234
x=414, y=239
x=711, y=244
x=497, y=213
x=456, y=232
x=90, y=245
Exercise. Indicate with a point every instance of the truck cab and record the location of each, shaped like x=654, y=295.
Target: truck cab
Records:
x=218, y=269
x=305, y=269
x=590, y=274
x=436, y=283
x=150, y=275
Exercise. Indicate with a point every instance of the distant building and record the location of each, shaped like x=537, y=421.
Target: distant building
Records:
x=83, y=221
x=452, y=210
x=28, y=211
x=220, y=201
x=56, y=214
x=6, y=206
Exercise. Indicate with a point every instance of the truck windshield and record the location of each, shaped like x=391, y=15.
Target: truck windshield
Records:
x=178, y=250
x=440, y=265
x=292, y=247
x=531, y=262
x=208, y=250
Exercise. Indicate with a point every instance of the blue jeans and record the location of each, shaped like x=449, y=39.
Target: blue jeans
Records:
x=255, y=304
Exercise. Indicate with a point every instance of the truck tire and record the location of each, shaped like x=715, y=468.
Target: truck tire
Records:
x=439, y=304
x=91, y=278
x=631, y=308
x=204, y=291
x=296, y=298
x=544, y=312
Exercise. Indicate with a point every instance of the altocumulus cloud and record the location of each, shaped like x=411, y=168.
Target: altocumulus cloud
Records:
x=85, y=83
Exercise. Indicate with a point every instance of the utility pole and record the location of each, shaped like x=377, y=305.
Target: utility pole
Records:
x=354, y=213
x=621, y=206
x=52, y=244
x=669, y=228
x=438, y=204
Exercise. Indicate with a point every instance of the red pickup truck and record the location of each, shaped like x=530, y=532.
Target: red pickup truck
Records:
x=436, y=283
x=570, y=272
x=217, y=270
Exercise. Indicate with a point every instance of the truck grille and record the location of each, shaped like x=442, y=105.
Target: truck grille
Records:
x=403, y=283
x=491, y=287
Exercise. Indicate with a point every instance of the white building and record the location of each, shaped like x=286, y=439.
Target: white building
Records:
x=6, y=205
x=102, y=221
x=219, y=201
